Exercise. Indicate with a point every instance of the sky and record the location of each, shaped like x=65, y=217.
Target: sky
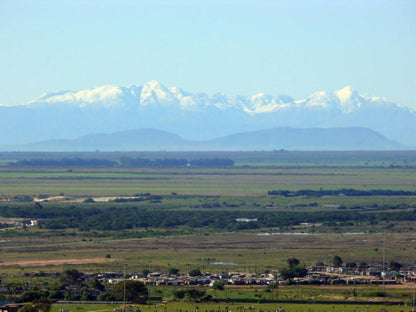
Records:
x=234, y=47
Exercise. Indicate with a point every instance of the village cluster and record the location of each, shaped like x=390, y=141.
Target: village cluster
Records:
x=316, y=275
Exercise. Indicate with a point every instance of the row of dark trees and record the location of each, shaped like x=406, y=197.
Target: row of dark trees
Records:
x=124, y=162
x=64, y=162
x=341, y=192
x=109, y=217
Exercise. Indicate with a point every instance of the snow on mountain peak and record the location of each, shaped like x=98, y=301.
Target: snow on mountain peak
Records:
x=349, y=99
x=264, y=103
x=186, y=100
x=346, y=100
x=345, y=93
x=318, y=100
x=154, y=94
x=107, y=96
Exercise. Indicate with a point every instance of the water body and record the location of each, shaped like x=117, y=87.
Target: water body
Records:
x=284, y=233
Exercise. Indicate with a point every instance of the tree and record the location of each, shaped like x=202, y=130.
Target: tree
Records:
x=179, y=293
x=86, y=295
x=351, y=265
x=362, y=265
x=337, y=261
x=27, y=308
x=195, y=272
x=218, y=285
x=105, y=296
x=294, y=269
x=292, y=262
x=42, y=305
x=97, y=285
x=71, y=277
x=135, y=291
x=195, y=294
x=173, y=271
x=33, y=295
x=38, y=305
x=395, y=266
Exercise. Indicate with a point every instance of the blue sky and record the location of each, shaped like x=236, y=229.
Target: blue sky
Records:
x=234, y=47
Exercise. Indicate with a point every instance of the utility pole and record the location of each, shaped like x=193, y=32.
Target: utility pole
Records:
x=383, y=272
x=124, y=291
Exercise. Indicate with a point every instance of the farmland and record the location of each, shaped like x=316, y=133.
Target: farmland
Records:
x=106, y=219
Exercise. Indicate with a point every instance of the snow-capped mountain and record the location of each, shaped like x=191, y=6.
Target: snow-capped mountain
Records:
x=106, y=109
x=153, y=93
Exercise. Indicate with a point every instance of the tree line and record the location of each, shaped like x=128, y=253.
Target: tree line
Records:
x=124, y=162
x=64, y=162
x=341, y=192
x=91, y=217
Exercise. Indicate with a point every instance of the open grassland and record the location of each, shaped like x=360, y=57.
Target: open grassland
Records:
x=214, y=252
x=191, y=189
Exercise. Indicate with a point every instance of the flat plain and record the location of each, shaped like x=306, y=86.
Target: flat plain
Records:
x=240, y=191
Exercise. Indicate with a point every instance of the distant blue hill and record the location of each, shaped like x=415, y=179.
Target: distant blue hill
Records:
x=353, y=138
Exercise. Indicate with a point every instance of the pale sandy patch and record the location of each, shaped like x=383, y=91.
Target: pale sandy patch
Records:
x=39, y=200
x=107, y=199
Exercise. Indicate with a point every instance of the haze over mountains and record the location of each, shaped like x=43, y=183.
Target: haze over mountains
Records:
x=269, y=139
x=198, y=119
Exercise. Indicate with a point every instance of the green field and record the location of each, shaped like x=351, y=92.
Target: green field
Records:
x=186, y=306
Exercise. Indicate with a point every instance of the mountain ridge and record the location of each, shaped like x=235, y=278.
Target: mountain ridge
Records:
x=153, y=93
x=197, y=116
x=354, y=138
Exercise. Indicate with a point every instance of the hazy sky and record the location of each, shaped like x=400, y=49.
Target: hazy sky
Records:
x=235, y=47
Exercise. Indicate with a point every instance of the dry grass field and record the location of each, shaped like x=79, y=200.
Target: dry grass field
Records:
x=238, y=251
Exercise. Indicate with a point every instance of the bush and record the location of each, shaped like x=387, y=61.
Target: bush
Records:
x=218, y=286
x=195, y=294
x=179, y=293
x=173, y=271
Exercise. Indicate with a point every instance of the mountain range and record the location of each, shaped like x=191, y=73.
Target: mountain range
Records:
x=269, y=139
x=200, y=117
